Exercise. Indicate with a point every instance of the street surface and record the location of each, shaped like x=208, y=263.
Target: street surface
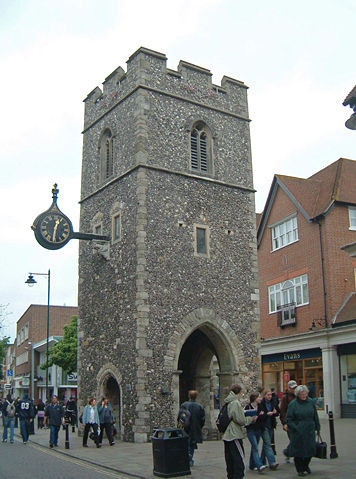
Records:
x=30, y=461
x=134, y=461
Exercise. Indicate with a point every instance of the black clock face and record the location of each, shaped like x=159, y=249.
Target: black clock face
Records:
x=53, y=230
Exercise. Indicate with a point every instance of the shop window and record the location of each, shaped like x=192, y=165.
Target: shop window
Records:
x=293, y=291
x=348, y=378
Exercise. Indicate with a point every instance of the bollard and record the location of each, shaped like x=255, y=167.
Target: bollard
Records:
x=66, y=444
x=333, y=452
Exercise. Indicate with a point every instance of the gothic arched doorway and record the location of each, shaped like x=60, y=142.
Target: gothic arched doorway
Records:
x=110, y=389
x=205, y=364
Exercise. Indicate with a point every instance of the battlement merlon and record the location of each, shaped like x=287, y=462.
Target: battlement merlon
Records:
x=148, y=68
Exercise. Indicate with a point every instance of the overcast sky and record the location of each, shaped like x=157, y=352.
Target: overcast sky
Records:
x=298, y=58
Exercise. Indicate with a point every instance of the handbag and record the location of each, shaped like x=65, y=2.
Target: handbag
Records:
x=321, y=448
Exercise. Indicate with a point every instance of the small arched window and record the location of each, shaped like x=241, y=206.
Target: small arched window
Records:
x=106, y=155
x=200, y=148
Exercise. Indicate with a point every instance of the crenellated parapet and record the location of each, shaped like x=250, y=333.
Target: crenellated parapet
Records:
x=147, y=69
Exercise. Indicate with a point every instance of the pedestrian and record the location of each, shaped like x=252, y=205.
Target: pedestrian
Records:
x=8, y=410
x=106, y=419
x=71, y=411
x=288, y=397
x=302, y=422
x=254, y=432
x=196, y=423
x=90, y=419
x=234, y=434
x=270, y=410
x=55, y=413
x=26, y=415
x=40, y=413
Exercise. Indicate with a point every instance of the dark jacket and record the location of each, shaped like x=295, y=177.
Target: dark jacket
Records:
x=265, y=418
x=24, y=409
x=254, y=426
x=286, y=399
x=197, y=420
x=55, y=414
x=101, y=412
x=302, y=422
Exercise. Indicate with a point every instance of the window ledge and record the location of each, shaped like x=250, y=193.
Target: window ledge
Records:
x=285, y=245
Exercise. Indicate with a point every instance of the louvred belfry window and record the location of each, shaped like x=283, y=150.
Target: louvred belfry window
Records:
x=106, y=155
x=200, y=146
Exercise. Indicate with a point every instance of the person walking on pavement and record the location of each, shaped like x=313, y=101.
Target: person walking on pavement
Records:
x=40, y=413
x=288, y=397
x=254, y=432
x=302, y=422
x=71, y=411
x=55, y=413
x=90, y=419
x=270, y=410
x=197, y=420
x=26, y=415
x=235, y=433
x=106, y=421
x=8, y=410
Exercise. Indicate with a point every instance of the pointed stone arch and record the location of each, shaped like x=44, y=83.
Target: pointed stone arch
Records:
x=215, y=337
x=109, y=383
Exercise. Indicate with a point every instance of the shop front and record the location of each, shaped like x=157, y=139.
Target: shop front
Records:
x=305, y=367
x=347, y=355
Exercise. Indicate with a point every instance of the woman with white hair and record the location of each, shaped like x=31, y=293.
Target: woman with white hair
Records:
x=302, y=422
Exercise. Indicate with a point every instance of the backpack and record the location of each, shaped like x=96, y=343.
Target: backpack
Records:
x=223, y=419
x=183, y=420
x=11, y=410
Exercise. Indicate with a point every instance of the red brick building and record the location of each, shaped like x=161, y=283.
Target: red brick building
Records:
x=307, y=285
x=31, y=345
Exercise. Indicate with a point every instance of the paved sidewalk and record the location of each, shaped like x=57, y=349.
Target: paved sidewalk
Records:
x=135, y=460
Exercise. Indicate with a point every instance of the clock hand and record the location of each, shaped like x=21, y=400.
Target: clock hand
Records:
x=55, y=230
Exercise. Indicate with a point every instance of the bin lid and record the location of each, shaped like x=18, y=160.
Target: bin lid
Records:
x=169, y=433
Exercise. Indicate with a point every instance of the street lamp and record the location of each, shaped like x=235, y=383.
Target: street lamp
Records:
x=31, y=281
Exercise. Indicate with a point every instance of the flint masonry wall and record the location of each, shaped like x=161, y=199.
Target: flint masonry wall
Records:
x=136, y=306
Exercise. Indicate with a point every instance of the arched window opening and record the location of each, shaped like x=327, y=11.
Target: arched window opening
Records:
x=200, y=148
x=106, y=155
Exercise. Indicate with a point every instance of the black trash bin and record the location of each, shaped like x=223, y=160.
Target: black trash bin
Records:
x=170, y=453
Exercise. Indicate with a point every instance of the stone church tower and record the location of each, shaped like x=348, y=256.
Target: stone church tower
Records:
x=171, y=302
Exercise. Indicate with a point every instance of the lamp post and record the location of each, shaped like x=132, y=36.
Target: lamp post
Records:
x=31, y=281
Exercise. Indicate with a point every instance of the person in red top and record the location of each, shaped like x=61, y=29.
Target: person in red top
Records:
x=288, y=396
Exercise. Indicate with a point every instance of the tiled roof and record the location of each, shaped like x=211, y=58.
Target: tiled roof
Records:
x=316, y=194
x=347, y=312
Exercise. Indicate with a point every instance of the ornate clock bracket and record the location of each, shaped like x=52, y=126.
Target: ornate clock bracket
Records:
x=53, y=229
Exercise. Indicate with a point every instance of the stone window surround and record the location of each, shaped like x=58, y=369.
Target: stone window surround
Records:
x=207, y=239
x=116, y=215
x=203, y=128
x=106, y=164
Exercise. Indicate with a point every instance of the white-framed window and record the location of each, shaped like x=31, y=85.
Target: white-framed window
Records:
x=116, y=227
x=201, y=240
x=292, y=291
x=200, y=148
x=284, y=233
x=352, y=216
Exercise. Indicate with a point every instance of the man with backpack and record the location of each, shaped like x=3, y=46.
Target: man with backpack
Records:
x=26, y=415
x=8, y=414
x=193, y=422
x=234, y=433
